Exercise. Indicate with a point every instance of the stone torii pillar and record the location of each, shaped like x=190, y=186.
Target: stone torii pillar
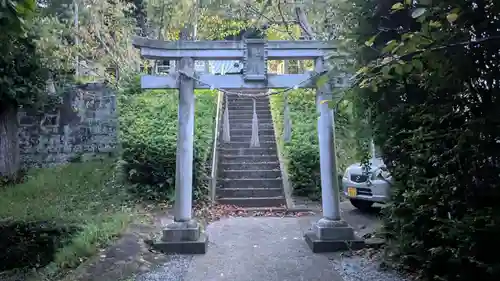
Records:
x=184, y=235
x=330, y=233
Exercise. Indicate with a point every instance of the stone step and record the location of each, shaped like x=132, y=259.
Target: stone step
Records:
x=271, y=209
x=249, y=111
x=249, y=125
x=249, y=192
x=248, y=116
x=248, y=102
x=247, y=138
x=248, y=151
x=250, y=166
x=248, y=132
x=251, y=174
x=247, y=159
x=258, y=107
x=236, y=98
x=249, y=91
x=248, y=106
x=249, y=183
x=254, y=201
x=249, y=121
x=238, y=145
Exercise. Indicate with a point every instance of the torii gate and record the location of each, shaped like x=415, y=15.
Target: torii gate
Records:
x=330, y=233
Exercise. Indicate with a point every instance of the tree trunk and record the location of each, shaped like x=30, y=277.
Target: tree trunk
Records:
x=9, y=142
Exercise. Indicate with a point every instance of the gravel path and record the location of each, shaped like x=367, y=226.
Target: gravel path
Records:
x=364, y=267
x=173, y=270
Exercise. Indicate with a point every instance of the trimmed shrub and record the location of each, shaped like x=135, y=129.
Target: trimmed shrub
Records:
x=148, y=134
x=301, y=154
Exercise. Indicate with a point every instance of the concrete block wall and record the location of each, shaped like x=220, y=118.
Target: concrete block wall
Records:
x=81, y=124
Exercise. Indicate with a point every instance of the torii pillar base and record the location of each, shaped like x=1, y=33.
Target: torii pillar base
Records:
x=183, y=238
x=332, y=236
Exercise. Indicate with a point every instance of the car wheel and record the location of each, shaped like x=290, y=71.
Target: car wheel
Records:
x=361, y=204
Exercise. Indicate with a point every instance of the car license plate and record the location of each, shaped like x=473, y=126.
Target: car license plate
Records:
x=351, y=191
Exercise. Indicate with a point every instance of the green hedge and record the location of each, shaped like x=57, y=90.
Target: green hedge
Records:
x=438, y=128
x=301, y=154
x=148, y=134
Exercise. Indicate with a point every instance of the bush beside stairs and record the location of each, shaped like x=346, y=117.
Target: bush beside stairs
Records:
x=249, y=177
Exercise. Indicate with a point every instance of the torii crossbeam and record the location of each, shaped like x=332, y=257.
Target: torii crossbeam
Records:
x=253, y=52
x=184, y=236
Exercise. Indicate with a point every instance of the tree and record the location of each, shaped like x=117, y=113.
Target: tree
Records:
x=427, y=84
x=140, y=14
x=22, y=78
x=104, y=33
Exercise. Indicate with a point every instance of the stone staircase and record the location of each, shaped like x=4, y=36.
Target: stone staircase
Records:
x=249, y=177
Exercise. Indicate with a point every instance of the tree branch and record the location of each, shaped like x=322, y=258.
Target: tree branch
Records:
x=409, y=56
x=284, y=21
x=304, y=24
x=269, y=20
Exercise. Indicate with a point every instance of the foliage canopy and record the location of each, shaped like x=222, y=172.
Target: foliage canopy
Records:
x=22, y=76
x=427, y=85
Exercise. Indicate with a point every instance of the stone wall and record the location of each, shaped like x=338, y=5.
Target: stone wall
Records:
x=81, y=124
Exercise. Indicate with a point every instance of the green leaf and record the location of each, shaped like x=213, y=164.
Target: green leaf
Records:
x=364, y=83
x=452, y=17
x=397, y=7
x=408, y=2
x=385, y=72
x=399, y=46
x=407, y=36
x=364, y=69
x=435, y=24
x=419, y=39
x=322, y=80
x=398, y=69
x=418, y=64
x=422, y=19
x=390, y=46
x=408, y=68
x=387, y=60
x=418, y=12
x=370, y=41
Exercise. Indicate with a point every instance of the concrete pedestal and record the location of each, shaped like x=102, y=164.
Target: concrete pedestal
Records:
x=332, y=236
x=182, y=238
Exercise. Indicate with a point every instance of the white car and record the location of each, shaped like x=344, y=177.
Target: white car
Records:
x=366, y=188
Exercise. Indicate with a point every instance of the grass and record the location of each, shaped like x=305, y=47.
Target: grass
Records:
x=82, y=196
